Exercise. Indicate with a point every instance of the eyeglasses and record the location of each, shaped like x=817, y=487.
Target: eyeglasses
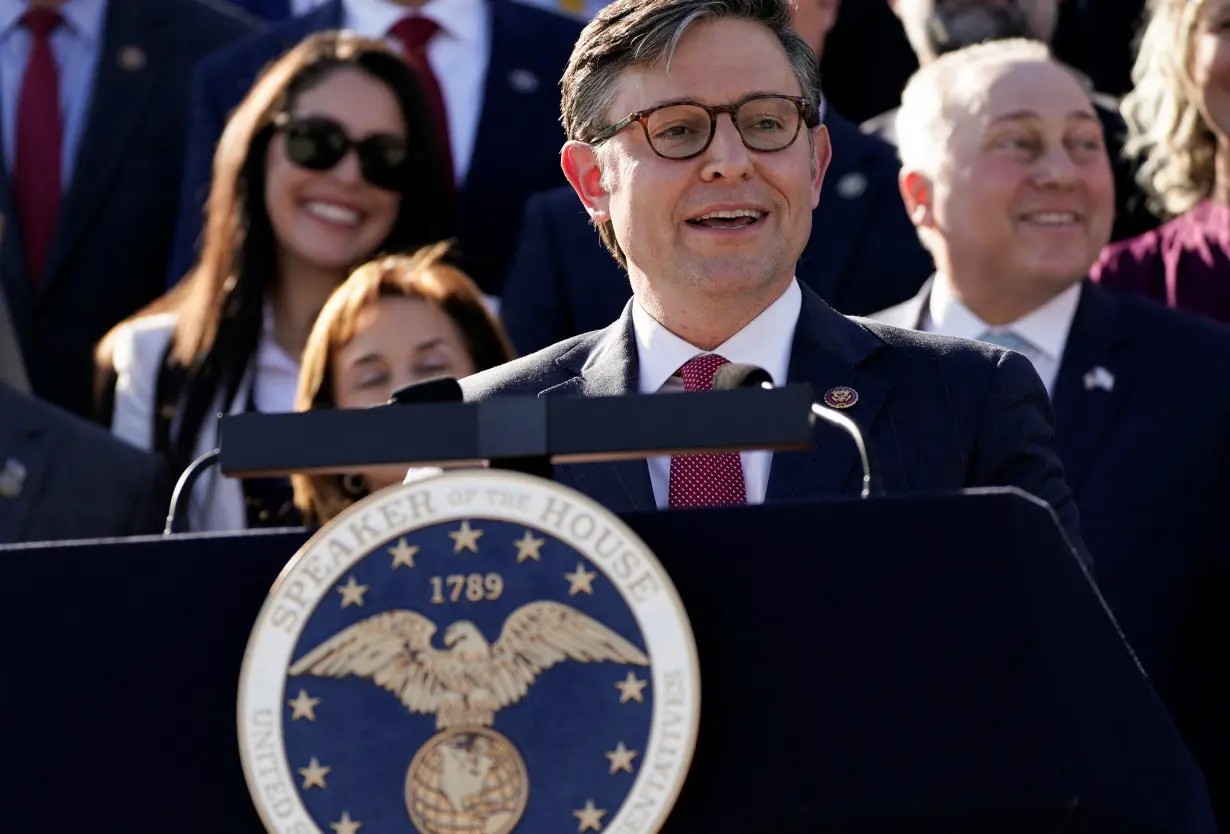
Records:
x=683, y=130
x=318, y=143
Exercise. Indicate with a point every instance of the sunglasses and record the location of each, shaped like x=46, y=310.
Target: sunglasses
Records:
x=318, y=143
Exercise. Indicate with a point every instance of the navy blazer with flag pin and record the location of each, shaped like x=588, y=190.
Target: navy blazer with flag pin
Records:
x=516, y=147
x=940, y=414
x=1142, y=416
x=863, y=254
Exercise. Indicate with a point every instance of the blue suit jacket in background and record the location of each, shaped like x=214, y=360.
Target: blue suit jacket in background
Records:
x=1149, y=464
x=113, y=241
x=863, y=254
x=516, y=149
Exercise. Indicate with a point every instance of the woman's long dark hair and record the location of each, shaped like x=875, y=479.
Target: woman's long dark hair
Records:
x=219, y=304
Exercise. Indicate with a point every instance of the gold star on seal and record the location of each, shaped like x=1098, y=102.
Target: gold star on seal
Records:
x=581, y=580
x=631, y=689
x=621, y=758
x=346, y=825
x=314, y=775
x=304, y=706
x=465, y=538
x=590, y=817
x=352, y=593
x=528, y=547
x=403, y=554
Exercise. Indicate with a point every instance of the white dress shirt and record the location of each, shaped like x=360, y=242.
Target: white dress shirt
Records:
x=216, y=504
x=459, y=54
x=1045, y=329
x=765, y=342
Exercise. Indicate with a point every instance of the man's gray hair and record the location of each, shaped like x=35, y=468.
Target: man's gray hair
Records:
x=935, y=95
x=629, y=33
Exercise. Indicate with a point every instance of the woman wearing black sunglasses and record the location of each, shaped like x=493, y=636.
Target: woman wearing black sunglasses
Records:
x=329, y=161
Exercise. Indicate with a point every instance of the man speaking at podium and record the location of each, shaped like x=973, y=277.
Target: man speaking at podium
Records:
x=698, y=149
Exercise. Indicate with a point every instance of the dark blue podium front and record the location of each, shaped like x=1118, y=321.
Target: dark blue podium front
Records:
x=906, y=664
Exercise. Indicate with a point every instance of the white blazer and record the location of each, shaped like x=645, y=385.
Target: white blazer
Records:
x=216, y=502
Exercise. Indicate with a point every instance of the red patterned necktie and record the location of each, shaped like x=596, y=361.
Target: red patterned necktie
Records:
x=415, y=33
x=705, y=480
x=36, y=164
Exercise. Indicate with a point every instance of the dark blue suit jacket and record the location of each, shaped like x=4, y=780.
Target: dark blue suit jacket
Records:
x=110, y=253
x=863, y=254
x=516, y=150
x=938, y=414
x=1149, y=464
x=79, y=481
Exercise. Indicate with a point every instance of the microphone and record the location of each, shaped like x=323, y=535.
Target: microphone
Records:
x=737, y=375
x=439, y=389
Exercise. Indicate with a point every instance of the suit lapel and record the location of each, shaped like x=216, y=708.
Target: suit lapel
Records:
x=117, y=109
x=20, y=451
x=608, y=370
x=511, y=77
x=1096, y=340
x=827, y=352
x=16, y=287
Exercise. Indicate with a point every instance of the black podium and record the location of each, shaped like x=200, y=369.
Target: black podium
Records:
x=921, y=664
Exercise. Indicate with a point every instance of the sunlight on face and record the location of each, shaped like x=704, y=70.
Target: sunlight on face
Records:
x=1210, y=64
x=1025, y=191
x=398, y=341
x=655, y=204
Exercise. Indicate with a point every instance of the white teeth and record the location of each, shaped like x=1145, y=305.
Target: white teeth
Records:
x=732, y=214
x=331, y=212
x=1052, y=217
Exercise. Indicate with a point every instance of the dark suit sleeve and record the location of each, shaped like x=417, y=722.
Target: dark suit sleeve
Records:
x=534, y=304
x=1015, y=444
x=206, y=122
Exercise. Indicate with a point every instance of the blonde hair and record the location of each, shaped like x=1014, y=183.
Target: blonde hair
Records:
x=425, y=275
x=1166, y=128
x=938, y=89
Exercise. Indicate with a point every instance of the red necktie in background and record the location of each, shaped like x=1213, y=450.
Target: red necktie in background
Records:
x=36, y=164
x=705, y=480
x=415, y=33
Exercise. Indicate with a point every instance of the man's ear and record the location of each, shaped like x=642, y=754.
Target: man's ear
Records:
x=820, y=162
x=919, y=195
x=584, y=173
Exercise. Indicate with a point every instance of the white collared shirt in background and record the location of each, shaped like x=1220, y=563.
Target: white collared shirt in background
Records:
x=459, y=54
x=765, y=341
x=1046, y=328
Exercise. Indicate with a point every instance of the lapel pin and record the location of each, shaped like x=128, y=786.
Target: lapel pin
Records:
x=1099, y=377
x=523, y=81
x=841, y=397
x=852, y=185
x=132, y=58
x=12, y=478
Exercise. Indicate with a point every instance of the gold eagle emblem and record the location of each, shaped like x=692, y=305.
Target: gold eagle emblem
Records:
x=468, y=681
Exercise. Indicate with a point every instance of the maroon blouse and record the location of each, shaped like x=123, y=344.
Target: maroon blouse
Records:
x=1184, y=264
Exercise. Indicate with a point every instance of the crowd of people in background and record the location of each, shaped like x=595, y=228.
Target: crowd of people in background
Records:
x=215, y=207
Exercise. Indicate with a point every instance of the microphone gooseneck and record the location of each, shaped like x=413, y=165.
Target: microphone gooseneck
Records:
x=738, y=375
